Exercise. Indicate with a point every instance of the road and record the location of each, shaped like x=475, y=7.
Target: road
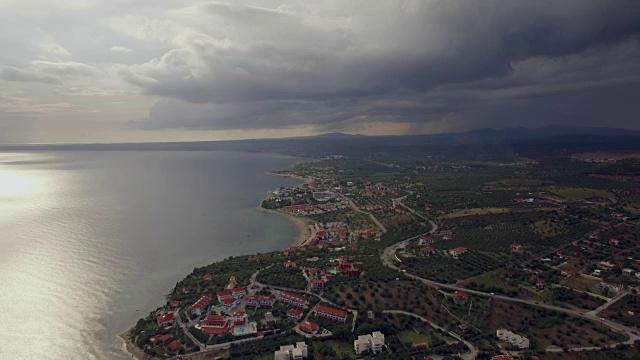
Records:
x=473, y=351
x=373, y=218
x=389, y=251
x=608, y=303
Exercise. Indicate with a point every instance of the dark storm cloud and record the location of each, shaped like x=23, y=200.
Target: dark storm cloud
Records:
x=405, y=61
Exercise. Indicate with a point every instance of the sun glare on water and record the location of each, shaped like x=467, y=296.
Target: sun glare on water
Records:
x=15, y=184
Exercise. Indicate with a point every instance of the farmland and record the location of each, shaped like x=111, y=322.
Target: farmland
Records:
x=575, y=194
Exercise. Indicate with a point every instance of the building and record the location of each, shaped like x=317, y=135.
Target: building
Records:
x=298, y=301
x=566, y=273
x=214, y=324
x=209, y=277
x=372, y=343
x=501, y=357
x=460, y=297
x=538, y=281
x=294, y=315
x=174, y=346
x=330, y=313
x=289, y=263
x=239, y=292
x=226, y=294
x=427, y=251
x=424, y=240
x=323, y=196
x=627, y=272
x=516, y=246
x=290, y=352
x=258, y=301
x=201, y=306
x=239, y=318
x=514, y=339
x=228, y=303
x=165, y=320
x=317, y=285
x=309, y=327
x=160, y=339
x=455, y=252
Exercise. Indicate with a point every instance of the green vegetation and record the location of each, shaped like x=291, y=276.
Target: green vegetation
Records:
x=279, y=275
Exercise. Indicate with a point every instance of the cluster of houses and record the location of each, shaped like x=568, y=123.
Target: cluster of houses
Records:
x=237, y=324
x=428, y=250
x=230, y=298
x=310, y=209
x=512, y=338
x=167, y=341
x=333, y=232
x=296, y=313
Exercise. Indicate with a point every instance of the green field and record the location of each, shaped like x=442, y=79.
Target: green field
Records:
x=413, y=337
x=575, y=194
x=342, y=348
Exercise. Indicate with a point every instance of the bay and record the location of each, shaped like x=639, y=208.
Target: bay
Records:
x=86, y=238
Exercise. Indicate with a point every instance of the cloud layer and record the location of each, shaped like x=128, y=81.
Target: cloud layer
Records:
x=425, y=66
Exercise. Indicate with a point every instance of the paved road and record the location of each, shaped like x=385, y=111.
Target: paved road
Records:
x=188, y=333
x=473, y=351
x=373, y=218
x=608, y=303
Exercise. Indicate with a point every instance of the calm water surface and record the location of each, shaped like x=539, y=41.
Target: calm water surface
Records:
x=86, y=238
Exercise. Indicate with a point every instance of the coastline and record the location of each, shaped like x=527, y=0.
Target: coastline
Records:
x=129, y=347
x=304, y=233
x=303, y=226
x=307, y=180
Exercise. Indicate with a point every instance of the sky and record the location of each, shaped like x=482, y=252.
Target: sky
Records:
x=129, y=71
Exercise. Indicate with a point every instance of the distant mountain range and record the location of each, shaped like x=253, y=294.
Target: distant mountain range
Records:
x=556, y=135
x=502, y=134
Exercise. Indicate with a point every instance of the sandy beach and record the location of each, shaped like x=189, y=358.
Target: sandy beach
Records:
x=307, y=180
x=302, y=224
x=130, y=348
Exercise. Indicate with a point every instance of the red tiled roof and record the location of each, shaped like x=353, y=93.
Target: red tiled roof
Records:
x=161, y=338
x=215, y=330
x=294, y=312
x=308, y=326
x=201, y=302
x=238, y=313
x=317, y=281
x=238, y=290
x=174, y=345
x=501, y=357
x=461, y=295
x=174, y=304
x=165, y=318
x=295, y=297
x=228, y=300
x=332, y=311
x=224, y=293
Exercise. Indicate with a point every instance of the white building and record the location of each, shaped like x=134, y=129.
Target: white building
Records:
x=372, y=343
x=514, y=339
x=290, y=352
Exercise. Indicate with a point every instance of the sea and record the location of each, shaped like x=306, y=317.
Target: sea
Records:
x=92, y=241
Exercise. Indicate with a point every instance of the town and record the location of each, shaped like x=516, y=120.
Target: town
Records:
x=403, y=258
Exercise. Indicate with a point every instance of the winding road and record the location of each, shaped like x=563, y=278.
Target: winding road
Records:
x=389, y=254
